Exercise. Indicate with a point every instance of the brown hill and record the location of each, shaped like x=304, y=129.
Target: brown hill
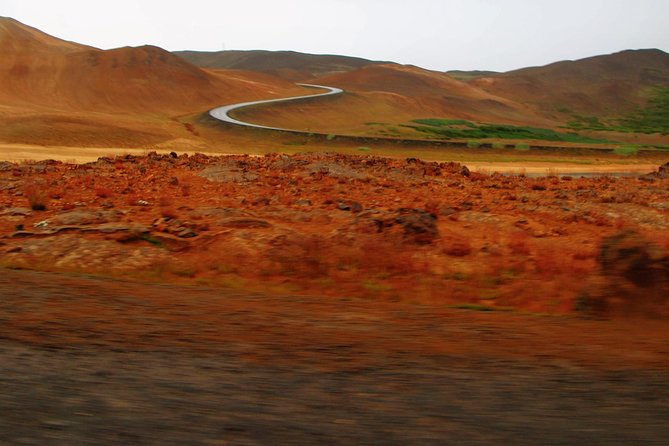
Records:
x=394, y=94
x=15, y=36
x=56, y=92
x=470, y=75
x=603, y=85
x=289, y=65
x=44, y=71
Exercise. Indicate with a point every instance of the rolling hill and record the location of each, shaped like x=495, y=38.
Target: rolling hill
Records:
x=42, y=70
x=58, y=92
x=54, y=91
x=608, y=85
x=288, y=65
x=393, y=94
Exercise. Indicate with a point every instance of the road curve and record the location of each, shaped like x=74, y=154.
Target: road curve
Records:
x=223, y=113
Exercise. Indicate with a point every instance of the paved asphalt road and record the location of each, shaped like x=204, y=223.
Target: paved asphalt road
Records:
x=223, y=113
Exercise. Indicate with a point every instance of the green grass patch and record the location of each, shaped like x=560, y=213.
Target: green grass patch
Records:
x=626, y=150
x=435, y=122
x=461, y=129
x=364, y=149
x=522, y=147
x=653, y=118
x=473, y=144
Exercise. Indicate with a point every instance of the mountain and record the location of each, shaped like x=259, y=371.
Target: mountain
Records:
x=470, y=75
x=54, y=92
x=288, y=65
x=605, y=85
x=393, y=94
x=41, y=70
x=17, y=37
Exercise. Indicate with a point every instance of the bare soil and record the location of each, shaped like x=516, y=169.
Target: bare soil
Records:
x=325, y=298
x=99, y=361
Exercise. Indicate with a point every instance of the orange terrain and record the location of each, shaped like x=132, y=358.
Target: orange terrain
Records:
x=338, y=294
x=152, y=292
x=432, y=233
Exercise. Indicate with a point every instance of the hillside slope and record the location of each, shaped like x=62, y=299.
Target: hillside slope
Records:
x=43, y=71
x=288, y=65
x=393, y=94
x=603, y=85
x=54, y=92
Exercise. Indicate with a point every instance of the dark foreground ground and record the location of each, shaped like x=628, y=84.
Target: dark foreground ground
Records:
x=102, y=362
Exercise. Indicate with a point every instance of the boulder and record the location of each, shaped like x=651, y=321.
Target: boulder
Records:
x=633, y=279
x=418, y=225
x=81, y=218
x=662, y=173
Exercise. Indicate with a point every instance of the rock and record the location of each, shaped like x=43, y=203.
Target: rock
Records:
x=335, y=170
x=6, y=166
x=466, y=206
x=662, y=173
x=170, y=242
x=244, y=223
x=633, y=279
x=16, y=212
x=228, y=173
x=186, y=233
x=81, y=218
x=201, y=213
x=110, y=228
x=346, y=205
x=418, y=225
x=262, y=201
x=631, y=256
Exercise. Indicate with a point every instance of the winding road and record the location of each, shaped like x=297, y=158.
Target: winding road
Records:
x=223, y=113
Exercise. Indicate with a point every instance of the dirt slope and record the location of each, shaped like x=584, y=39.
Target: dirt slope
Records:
x=601, y=85
x=14, y=35
x=45, y=71
x=58, y=92
x=289, y=65
x=395, y=94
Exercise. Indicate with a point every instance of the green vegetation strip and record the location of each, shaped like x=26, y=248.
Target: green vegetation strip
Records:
x=461, y=129
x=654, y=118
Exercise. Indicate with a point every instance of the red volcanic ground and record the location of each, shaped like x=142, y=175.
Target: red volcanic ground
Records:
x=340, y=225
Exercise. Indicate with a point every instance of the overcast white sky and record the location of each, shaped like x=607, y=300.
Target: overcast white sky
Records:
x=435, y=34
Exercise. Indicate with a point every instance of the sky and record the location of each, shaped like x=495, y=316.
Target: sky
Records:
x=497, y=35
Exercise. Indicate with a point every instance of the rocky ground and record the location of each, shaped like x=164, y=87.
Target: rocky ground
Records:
x=355, y=226
x=173, y=299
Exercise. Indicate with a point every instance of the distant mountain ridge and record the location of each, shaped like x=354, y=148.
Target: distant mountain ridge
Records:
x=610, y=84
x=289, y=65
x=39, y=71
x=469, y=75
